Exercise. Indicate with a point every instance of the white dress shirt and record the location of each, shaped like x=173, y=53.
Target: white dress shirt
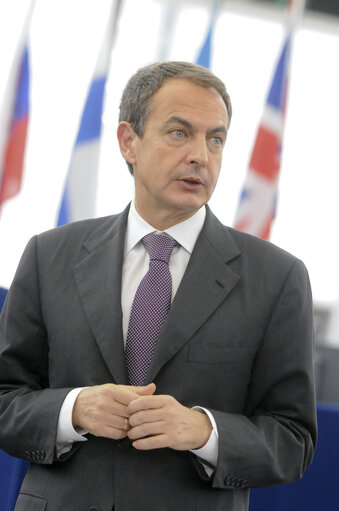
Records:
x=135, y=266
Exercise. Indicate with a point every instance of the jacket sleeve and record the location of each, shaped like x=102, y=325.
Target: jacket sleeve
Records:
x=273, y=441
x=29, y=409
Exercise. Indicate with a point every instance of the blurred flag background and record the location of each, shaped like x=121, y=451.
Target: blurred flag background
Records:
x=65, y=43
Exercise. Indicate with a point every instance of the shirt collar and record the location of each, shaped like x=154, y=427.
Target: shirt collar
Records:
x=185, y=233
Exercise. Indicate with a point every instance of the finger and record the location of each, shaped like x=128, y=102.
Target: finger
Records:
x=146, y=429
x=110, y=432
x=124, y=394
x=146, y=416
x=139, y=389
x=121, y=423
x=145, y=390
x=118, y=409
x=148, y=402
x=152, y=442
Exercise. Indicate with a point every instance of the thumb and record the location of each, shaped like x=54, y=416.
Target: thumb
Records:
x=146, y=390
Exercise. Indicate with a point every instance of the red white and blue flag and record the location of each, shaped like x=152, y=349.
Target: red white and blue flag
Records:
x=258, y=201
x=79, y=195
x=14, y=119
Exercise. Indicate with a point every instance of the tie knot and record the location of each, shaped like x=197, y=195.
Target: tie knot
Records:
x=159, y=246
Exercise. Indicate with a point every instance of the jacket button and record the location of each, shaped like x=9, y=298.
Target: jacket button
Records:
x=234, y=481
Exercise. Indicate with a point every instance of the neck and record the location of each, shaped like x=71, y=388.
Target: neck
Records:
x=161, y=220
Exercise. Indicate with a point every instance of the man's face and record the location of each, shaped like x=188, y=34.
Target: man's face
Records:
x=177, y=161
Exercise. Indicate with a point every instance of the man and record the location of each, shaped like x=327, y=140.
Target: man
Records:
x=222, y=398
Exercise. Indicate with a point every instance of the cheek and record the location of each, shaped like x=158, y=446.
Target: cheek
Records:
x=215, y=171
x=166, y=163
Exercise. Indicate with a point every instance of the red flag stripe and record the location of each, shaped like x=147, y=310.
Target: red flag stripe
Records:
x=265, y=159
x=14, y=156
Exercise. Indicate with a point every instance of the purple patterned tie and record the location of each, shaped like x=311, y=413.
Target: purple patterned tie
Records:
x=150, y=307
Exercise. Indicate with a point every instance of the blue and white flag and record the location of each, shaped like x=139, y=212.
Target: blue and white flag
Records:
x=204, y=57
x=79, y=197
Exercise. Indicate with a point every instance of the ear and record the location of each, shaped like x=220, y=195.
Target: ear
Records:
x=126, y=136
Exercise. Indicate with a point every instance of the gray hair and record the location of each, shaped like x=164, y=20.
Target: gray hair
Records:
x=136, y=99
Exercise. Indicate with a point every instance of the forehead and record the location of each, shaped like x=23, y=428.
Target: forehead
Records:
x=183, y=97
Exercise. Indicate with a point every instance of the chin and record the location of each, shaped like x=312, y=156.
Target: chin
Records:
x=190, y=209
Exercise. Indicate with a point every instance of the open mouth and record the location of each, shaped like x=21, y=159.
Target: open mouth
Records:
x=192, y=181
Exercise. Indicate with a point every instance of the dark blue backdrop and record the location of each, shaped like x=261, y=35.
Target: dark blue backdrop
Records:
x=12, y=470
x=318, y=490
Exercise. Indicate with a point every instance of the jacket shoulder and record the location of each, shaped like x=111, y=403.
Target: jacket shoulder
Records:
x=75, y=230
x=252, y=245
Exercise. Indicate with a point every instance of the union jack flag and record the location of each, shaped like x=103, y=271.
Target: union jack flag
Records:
x=258, y=200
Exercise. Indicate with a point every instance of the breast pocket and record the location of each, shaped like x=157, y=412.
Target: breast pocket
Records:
x=26, y=502
x=218, y=353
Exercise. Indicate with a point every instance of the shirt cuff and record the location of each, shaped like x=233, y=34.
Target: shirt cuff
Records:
x=209, y=452
x=66, y=433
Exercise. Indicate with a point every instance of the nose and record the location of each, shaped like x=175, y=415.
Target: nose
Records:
x=198, y=153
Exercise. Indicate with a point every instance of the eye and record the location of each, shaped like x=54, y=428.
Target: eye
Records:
x=178, y=133
x=216, y=140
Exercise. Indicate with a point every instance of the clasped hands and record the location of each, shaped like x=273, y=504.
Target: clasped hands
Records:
x=151, y=421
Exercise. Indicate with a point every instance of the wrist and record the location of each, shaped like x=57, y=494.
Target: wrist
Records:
x=205, y=428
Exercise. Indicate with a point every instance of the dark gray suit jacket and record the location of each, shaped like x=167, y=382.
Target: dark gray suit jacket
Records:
x=237, y=340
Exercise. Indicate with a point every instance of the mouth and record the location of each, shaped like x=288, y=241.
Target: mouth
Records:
x=191, y=184
x=192, y=180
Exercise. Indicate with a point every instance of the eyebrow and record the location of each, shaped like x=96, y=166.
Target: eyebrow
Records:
x=179, y=120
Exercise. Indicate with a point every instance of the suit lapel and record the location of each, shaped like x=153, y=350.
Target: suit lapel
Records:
x=98, y=278
x=206, y=283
